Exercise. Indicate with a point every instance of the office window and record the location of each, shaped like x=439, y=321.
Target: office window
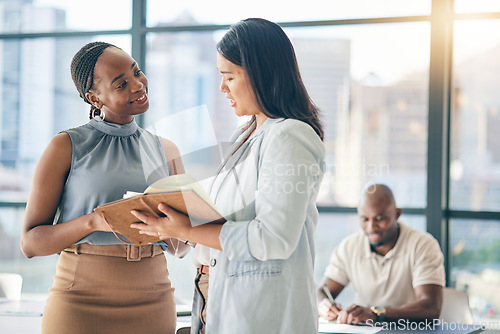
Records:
x=375, y=112
x=38, y=100
x=186, y=104
x=371, y=84
x=475, y=147
x=161, y=12
x=475, y=265
x=476, y=6
x=59, y=15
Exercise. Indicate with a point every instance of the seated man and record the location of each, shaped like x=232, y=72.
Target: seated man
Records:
x=396, y=272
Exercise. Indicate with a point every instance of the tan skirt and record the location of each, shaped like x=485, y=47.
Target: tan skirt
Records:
x=94, y=294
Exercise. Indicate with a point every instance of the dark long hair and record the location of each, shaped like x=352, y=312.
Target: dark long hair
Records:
x=82, y=68
x=263, y=49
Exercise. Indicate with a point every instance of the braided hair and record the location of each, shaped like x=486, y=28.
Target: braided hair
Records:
x=82, y=69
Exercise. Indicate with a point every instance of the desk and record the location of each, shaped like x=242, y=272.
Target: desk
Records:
x=21, y=317
x=25, y=316
x=20, y=324
x=21, y=308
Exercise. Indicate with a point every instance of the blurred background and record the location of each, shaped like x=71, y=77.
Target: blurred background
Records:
x=407, y=91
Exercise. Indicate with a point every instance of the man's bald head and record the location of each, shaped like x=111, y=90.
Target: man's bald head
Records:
x=377, y=193
x=378, y=216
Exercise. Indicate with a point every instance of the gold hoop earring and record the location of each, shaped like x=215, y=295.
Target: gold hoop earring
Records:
x=98, y=115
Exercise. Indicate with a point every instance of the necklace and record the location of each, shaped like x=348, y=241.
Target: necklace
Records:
x=176, y=248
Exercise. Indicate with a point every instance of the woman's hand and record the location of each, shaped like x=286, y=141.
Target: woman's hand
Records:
x=99, y=223
x=173, y=225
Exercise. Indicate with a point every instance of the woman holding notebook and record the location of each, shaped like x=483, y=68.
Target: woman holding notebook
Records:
x=101, y=285
x=261, y=259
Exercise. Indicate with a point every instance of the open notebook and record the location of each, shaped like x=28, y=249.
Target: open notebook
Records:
x=181, y=192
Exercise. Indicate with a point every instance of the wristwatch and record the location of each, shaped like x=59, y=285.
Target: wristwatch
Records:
x=379, y=312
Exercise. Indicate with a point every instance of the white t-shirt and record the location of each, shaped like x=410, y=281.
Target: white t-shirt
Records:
x=388, y=280
x=201, y=255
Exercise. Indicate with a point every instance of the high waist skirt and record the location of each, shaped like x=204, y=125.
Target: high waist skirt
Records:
x=94, y=294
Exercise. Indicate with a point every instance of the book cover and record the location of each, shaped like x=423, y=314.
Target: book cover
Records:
x=181, y=192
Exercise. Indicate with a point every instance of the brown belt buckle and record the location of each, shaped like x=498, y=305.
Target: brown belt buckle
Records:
x=76, y=249
x=203, y=269
x=134, y=253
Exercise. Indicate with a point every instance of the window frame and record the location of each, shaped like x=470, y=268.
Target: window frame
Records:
x=437, y=210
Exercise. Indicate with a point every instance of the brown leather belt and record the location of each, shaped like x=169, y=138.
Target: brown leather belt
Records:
x=203, y=269
x=130, y=252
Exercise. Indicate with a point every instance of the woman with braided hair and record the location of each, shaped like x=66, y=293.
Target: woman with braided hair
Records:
x=102, y=285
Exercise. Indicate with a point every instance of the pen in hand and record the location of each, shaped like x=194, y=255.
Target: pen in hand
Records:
x=328, y=294
x=327, y=308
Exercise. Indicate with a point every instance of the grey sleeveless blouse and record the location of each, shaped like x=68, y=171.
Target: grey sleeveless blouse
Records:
x=107, y=160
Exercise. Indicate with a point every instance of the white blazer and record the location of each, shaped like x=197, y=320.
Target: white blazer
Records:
x=262, y=281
